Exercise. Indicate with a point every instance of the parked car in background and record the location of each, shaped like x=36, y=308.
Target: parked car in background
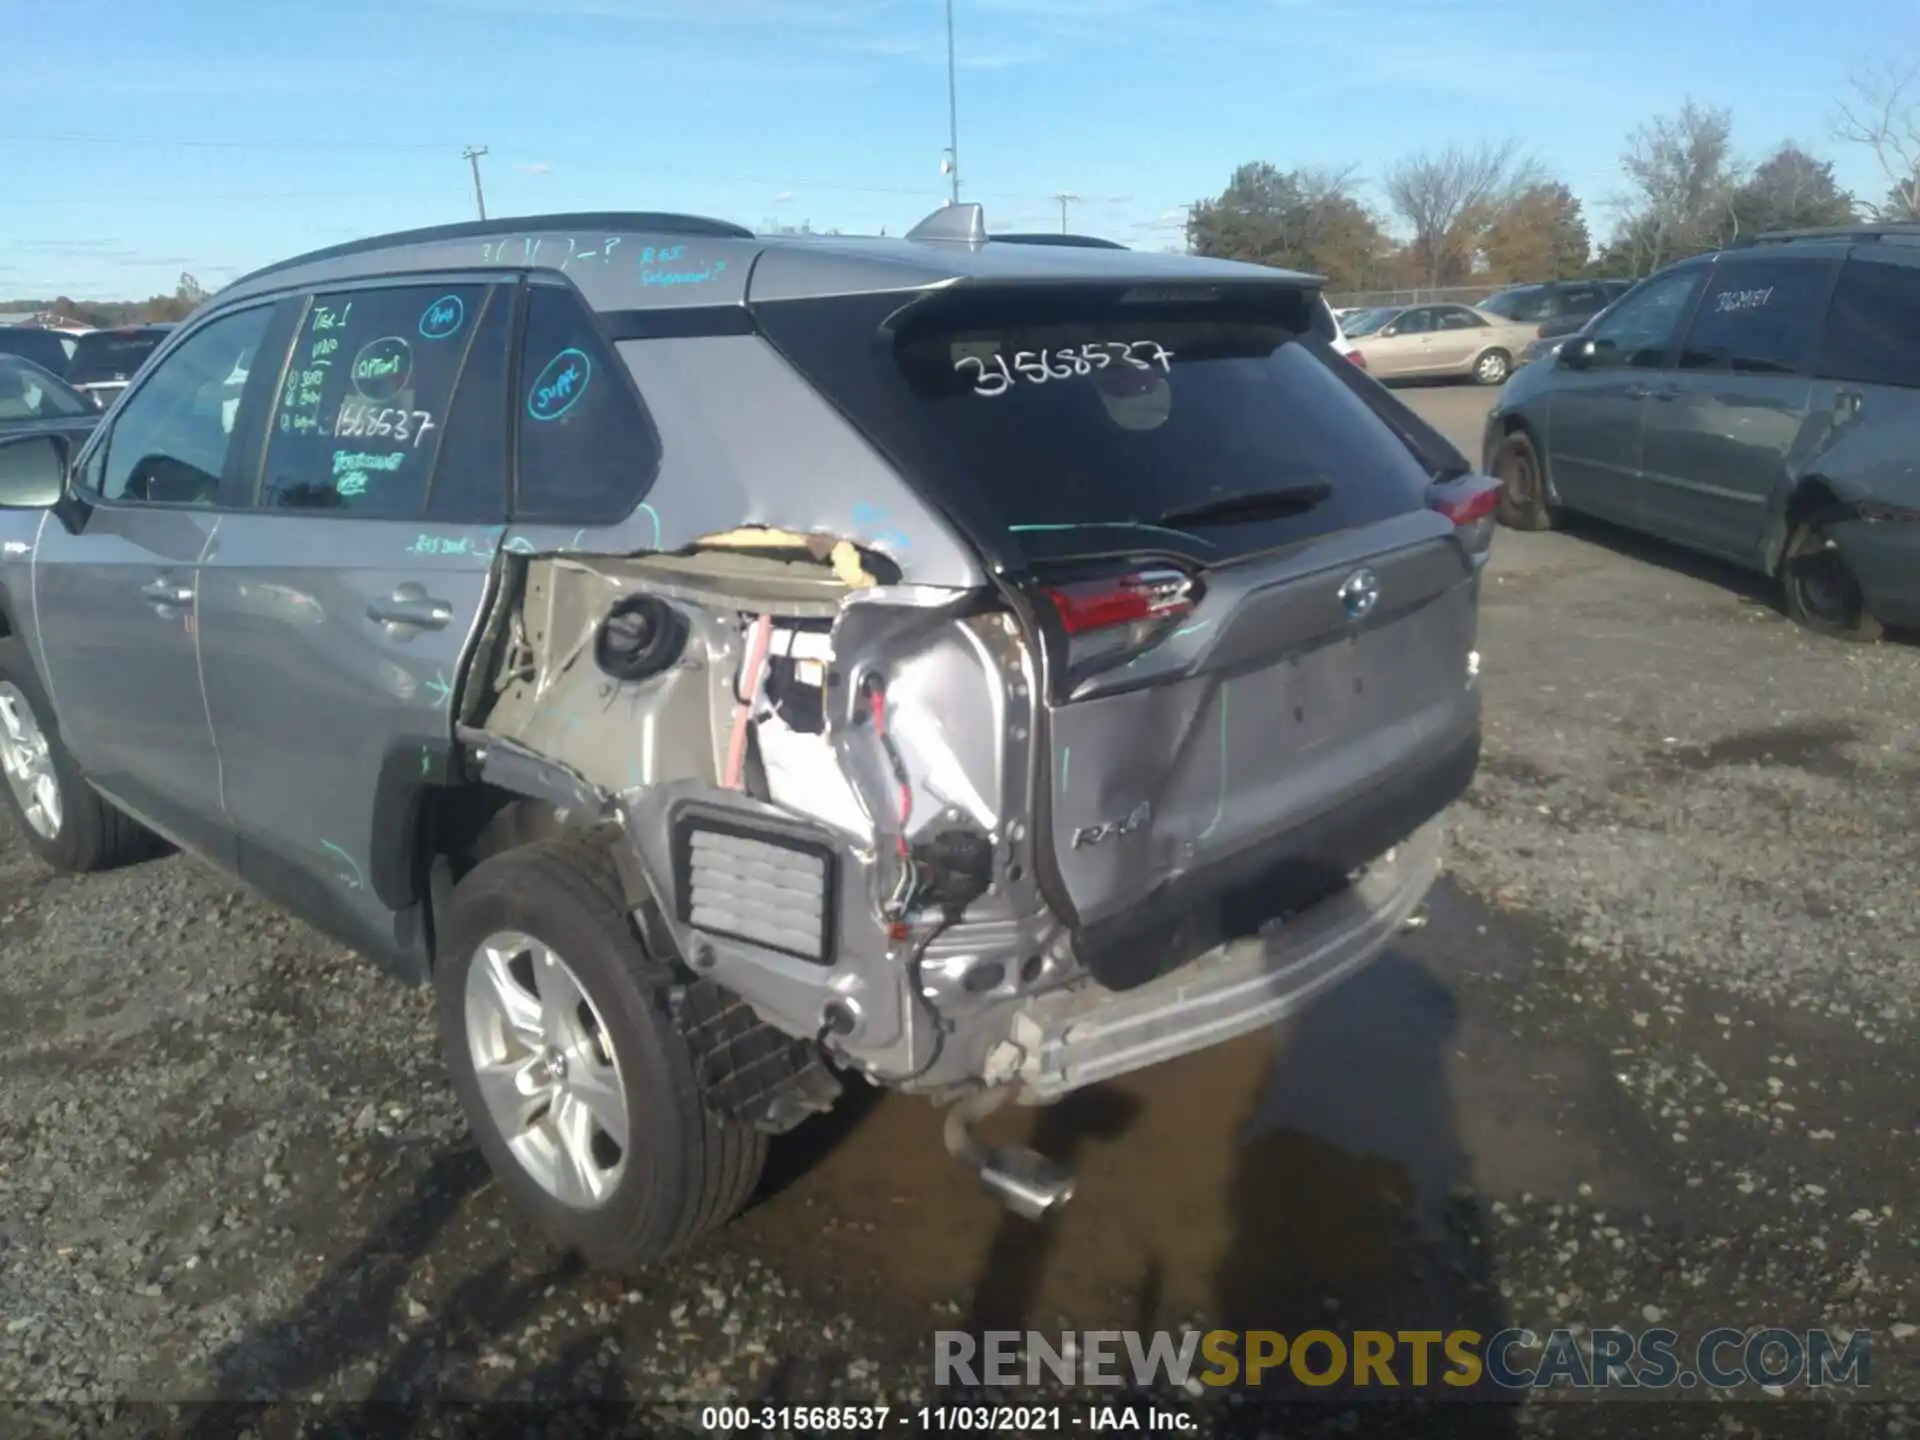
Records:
x=692, y=777
x=1557, y=307
x=1338, y=340
x=33, y=399
x=105, y=360
x=1761, y=404
x=51, y=350
x=1408, y=342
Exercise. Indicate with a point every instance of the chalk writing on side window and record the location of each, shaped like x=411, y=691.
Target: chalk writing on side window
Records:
x=992, y=374
x=351, y=468
x=382, y=368
x=559, y=385
x=443, y=318
x=1731, y=300
x=307, y=377
x=371, y=419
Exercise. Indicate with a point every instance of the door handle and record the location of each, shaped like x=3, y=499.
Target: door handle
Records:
x=1847, y=405
x=1636, y=392
x=1664, y=394
x=408, y=609
x=168, y=593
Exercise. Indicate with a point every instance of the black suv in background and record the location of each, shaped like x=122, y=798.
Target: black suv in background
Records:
x=1761, y=404
x=105, y=360
x=51, y=350
x=1558, y=307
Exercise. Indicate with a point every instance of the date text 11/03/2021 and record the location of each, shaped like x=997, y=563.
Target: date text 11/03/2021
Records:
x=935, y=1419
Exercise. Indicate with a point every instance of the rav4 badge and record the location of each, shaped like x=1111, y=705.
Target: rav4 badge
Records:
x=1136, y=819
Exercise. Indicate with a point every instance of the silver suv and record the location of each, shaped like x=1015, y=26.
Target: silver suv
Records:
x=718, y=664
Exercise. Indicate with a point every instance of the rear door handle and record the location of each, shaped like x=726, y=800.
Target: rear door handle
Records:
x=168, y=593
x=1636, y=392
x=409, y=609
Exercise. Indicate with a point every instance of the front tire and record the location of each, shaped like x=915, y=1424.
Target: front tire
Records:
x=580, y=1090
x=1820, y=588
x=63, y=819
x=1523, y=486
x=1492, y=368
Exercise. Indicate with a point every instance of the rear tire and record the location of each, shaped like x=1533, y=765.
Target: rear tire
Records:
x=63, y=819
x=1492, y=368
x=1523, y=486
x=1820, y=588
x=675, y=1170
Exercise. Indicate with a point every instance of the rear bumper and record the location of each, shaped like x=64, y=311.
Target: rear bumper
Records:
x=1885, y=557
x=1088, y=1034
x=1293, y=871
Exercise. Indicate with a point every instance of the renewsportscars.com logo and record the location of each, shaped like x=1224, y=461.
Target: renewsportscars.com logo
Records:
x=1725, y=1358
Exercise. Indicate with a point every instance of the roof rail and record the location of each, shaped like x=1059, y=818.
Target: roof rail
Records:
x=1089, y=242
x=1892, y=229
x=643, y=221
x=954, y=224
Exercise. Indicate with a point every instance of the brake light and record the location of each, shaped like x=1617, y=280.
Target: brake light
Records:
x=1357, y=358
x=1146, y=596
x=1471, y=503
x=1109, y=623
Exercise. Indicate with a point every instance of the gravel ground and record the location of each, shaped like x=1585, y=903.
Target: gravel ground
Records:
x=1650, y=1062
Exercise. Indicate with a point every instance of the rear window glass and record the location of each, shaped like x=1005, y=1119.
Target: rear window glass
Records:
x=42, y=347
x=1873, y=326
x=107, y=357
x=1070, y=424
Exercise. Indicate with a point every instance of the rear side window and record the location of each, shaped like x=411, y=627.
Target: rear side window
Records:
x=587, y=451
x=1757, y=319
x=1873, y=326
x=1524, y=306
x=363, y=410
x=1074, y=424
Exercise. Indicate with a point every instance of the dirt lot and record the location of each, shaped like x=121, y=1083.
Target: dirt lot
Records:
x=1652, y=1060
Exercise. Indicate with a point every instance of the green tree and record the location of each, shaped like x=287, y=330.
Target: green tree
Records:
x=1789, y=190
x=1540, y=234
x=1307, y=220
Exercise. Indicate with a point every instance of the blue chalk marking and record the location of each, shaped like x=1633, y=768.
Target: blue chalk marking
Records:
x=1114, y=525
x=1066, y=759
x=1193, y=629
x=426, y=759
x=579, y=535
x=440, y=689
x=680, y=277
x=443, y=317
x=519, y=545
x=653, y=515
x=355, y=881
x=871, y=518
x=559, y=385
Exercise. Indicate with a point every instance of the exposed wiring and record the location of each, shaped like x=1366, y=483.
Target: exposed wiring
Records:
x=914, y=962
x=902, y=897
x=752, y=675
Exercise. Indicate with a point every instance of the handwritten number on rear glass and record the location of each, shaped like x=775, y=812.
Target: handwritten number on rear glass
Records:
x=1037, y=367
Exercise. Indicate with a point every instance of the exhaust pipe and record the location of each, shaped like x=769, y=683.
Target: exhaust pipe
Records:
x=1026, y=1182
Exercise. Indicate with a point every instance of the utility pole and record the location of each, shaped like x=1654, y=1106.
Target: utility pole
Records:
x=1065, y=200
x=953, y=112
x=472, y=157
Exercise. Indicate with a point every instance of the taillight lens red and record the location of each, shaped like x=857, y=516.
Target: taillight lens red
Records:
x=1471, y=503
x=1357, y=358
x=1112, y=622
x=1146, y=595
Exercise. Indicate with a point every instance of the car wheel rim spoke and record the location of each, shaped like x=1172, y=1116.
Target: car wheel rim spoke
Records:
x=26, y=759
x=548, y=1076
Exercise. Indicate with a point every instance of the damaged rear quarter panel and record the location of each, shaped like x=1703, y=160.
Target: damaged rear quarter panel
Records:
x=745, y=441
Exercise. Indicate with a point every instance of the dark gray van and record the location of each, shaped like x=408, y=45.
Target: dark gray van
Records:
x=1761, y=404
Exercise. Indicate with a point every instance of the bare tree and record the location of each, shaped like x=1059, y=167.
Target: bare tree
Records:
x=1880, y=109
x=1449, y=199
x=1684, y=179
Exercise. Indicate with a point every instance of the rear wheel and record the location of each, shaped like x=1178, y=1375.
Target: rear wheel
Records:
x=1492, y=368
x=1820, y=588
x=63, y=818
x=582, y=1093
x=1523, y=486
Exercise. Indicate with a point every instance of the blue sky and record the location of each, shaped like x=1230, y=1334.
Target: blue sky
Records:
x=138, y=140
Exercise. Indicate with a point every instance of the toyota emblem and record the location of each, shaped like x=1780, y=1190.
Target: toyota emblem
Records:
x=1359, y=593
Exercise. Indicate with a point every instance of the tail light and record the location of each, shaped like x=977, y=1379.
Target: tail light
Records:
x=1471, y=503
x=1111, y=621
x=1357, y=358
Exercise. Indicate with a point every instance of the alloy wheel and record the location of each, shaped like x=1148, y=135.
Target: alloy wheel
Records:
x=546, y=1069
x=27, y=759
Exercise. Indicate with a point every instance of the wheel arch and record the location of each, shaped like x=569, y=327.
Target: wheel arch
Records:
x=1810, y=495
